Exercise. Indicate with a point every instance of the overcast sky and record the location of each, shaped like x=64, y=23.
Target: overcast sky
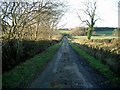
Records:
x=107, y=10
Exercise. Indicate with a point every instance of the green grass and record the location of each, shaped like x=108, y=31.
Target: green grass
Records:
x=104, y=32
x=64, y=31
x=103, y=69
x=95, y=37
x=24, y=73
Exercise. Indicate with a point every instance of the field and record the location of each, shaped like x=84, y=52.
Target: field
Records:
x=104, y=30
x=63, y=31
x=95, y=37
x=104, y=48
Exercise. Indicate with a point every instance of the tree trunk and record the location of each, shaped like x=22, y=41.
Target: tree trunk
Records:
x=89, y=33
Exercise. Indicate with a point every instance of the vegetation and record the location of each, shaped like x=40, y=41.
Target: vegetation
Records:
x=98, y=65
x=91, y=13
x=106, y=50
x=116, y=32
x=30, y=39
x=102, y=52
x=30, y=49
x=78, y=31
x=63, y=31
x=104, y=30
x=98, y=31
x=28, y=29
x=95, y=37
x=22, y=75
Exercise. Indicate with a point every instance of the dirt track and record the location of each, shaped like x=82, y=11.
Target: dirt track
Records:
x=68, y=70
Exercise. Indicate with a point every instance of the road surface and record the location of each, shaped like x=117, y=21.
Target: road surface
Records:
x=69, y=70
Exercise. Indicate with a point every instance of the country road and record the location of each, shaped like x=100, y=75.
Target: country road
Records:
x=69, y=70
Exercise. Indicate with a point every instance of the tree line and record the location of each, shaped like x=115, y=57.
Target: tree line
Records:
x=27, y=28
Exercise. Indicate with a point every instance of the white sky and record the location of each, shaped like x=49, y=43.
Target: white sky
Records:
x=107, y=10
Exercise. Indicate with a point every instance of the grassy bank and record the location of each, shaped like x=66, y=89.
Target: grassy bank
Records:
x=103, y=69
x=22, y=75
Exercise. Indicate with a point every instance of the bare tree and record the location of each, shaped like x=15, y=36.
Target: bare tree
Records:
x=16, y=17
x=27, y=21
x=90, y=11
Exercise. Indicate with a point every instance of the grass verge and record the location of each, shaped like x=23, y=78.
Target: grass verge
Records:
x=103, y=69
x=22, y=75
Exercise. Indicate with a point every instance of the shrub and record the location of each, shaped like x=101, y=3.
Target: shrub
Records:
x=13, y=55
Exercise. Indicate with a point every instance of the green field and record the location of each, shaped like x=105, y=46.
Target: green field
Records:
x=95, y=37
x=64, y=31
x=104, y=32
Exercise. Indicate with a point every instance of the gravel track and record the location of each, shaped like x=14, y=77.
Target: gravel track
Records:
x=69, y=70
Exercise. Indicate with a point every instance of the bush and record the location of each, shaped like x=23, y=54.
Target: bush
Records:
x=22, y=75
x=14, y=54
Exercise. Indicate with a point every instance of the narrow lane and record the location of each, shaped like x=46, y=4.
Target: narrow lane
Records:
x=68, y=70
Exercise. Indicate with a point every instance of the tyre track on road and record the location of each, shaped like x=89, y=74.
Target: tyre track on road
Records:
x=68, y=70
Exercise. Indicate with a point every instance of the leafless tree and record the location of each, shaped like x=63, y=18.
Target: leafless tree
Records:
x=28, y=20
x=90, y=11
